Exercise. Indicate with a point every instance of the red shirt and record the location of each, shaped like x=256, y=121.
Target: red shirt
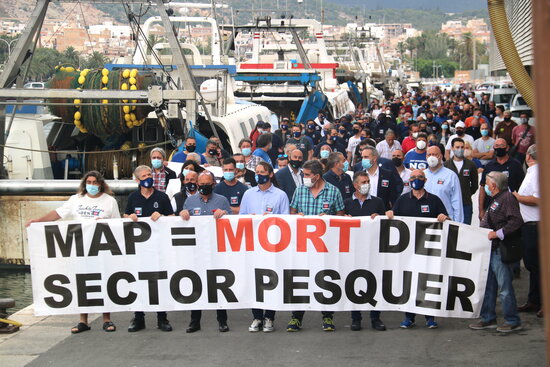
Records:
x=517, y=133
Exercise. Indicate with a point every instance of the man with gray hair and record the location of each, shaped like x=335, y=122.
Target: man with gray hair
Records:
x=503, y=217
x=529, y=197
x=389, y=145
x=161, y=173
x=212, y=154
x=147, y=201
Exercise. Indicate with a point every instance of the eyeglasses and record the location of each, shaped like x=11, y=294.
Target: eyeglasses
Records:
x=282, y=156
x=420, y=177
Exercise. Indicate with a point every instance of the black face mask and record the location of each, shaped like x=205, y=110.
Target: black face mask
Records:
x=460, y=132
x=213, y=152
x=206, y=189
x=356, y=131
x=190, y=148
x=191, y=186
x=500, y=152
x=295, y=163
x=397, y=162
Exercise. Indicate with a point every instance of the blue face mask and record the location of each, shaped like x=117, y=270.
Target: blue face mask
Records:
x=156, y=163
x=311, y=127
x=484, y=132
x=246, y=151
x=229, y=176
x=185, y=172
x=487, y=191
x=444, y=127
x=261, y=179
x=366, y=163
x=148, y=182
x=240, y=165
x=324, y=154
x=284, y=127
x=297, y=134
x=334, y=138
x=346, y=166
x=417, y=184
x=93, y=190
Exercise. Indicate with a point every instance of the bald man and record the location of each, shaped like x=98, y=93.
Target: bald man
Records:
x=444, y=183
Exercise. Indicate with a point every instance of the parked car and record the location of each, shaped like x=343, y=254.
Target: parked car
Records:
x=519, y=106
x=503, y=96
x=34, y=85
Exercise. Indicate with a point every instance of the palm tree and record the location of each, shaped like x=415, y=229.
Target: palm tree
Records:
x=71, y=56
x=96, y=60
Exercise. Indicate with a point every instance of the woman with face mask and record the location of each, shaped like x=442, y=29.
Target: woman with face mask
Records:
x=93, y=192
x=264, y=199
x=175, y=184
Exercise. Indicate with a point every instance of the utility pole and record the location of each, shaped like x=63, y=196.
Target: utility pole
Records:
x=474, y=52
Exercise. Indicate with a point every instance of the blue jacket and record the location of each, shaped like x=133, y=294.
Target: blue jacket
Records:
x=286, y=182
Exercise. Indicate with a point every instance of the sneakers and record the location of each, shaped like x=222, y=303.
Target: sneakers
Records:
x=355, y=325
x=507, y=328
x=268, y=325
x=255, y=326
x=481, y=325
x=328, y=324
x=294, y=325
x=431, y=324
x=407, y=324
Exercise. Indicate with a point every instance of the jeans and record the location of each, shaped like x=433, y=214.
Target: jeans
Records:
x=300, y=314
x=530, y=239
x=260, y=315
x=221, y=315
x=468, y=210
x=499, y=279
x=139, y=315
x=356, y=315
x=412, y=316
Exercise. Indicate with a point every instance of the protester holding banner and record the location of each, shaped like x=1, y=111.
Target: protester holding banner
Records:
x=230, y=187
x=315, y=197
x=503, y=217
x=93, y=201
x=206, y=203
x=264, y=199
x=188, y=188
x=419, y=203
x=362, y=204
x=147, y=201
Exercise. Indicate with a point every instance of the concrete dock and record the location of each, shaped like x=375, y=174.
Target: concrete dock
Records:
x=47, y=341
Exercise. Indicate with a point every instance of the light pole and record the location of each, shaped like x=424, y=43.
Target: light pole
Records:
x=8, y=44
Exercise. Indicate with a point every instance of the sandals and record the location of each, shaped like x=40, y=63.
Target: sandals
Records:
x=80, y=328
x=108, y=326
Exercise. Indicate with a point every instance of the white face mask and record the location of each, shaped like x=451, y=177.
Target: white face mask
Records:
x=421, y=144
x=308, y=182
x=364, y=189
x=432, y=161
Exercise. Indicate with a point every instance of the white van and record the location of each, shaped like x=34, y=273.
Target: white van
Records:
x=503, y=96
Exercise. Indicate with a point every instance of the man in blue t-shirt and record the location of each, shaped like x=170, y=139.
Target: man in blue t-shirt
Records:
x=230, y=187
x=263, y=145
x=416, y=158
x=190, y=146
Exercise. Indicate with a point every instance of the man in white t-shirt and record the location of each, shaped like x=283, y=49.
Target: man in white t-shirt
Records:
x=354, y=140
x=460, y=127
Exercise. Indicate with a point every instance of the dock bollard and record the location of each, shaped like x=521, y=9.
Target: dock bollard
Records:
x=6, y=325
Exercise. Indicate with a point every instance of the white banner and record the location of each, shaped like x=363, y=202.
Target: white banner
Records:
x=270, y=262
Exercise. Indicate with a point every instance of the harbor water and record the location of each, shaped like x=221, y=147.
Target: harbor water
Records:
x=16, y=285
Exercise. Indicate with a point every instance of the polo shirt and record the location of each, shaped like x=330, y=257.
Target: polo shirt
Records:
x=232, y=193
x=414, y=160
x=195, y=205
x=354, y=207
x=145, y=207
x=344, y=183
x=270, y=201
x=530, y=187
x=303, y=143
x=428, y=206
x=511, y=168
x=328, y=201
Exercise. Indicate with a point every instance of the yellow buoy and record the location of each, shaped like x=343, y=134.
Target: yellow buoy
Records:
x=84, y=72
x=133, y=117
x=104, y=72
x=77, y=115
x=132, y=80
x=133, y=108
x=126, y=109
x=78, y=123
x=142, y=147
x=126, y=73
x=134, y=100
x=81, y=79
x=105, y=101
x=105, y=79
x=124, y=86
x=62, y=68
x=124, y=101
x=127, y=117
x=133, y=73
x=104, y=88
x=83, y=130
x=77, y=101
x=69, y=69
x=129, y=124
x=133, y=87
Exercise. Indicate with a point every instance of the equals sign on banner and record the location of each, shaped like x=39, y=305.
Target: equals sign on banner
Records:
x=188, y=240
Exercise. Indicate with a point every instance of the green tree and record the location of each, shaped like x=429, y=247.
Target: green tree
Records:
x=44, y=62
x=72, y=56
x=96, y=60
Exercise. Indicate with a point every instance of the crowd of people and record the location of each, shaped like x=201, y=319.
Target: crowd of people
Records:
x=420, y=154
